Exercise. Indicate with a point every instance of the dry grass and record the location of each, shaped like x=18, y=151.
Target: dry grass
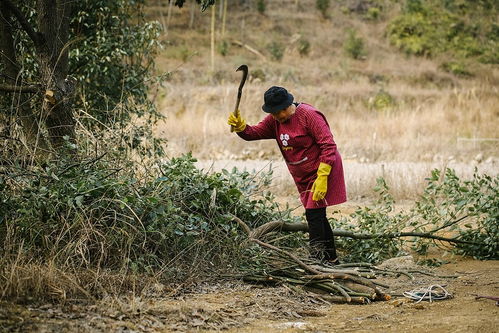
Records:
x=432, y=108
x=24, y=279
x=405, y=179
x=422, y=130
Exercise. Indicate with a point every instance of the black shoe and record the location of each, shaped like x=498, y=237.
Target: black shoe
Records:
x=331, y=262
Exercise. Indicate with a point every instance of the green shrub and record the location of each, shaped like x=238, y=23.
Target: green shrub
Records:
x=354, y=46
x=104, y=214
x=260, y=6
x=258, y=74
x=323, y=6
x=382, y=101
x=466, y=210
x=373, y=13
x=276, y=50
x=464, y=29
x=223, y=48
x=456, y=67
x=303, y=47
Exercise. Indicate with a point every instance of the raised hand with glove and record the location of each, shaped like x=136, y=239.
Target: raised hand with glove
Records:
x=237, y=123
x=319, y=187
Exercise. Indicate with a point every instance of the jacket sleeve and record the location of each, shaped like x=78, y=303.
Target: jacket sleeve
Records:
x=318, y=128
x=265, y=129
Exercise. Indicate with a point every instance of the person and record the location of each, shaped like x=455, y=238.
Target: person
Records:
x=307, y=145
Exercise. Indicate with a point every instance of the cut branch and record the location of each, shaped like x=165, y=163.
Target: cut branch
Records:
x=292, y=256
x=274, y=248
x=36, y=37
x=19, y=89
x=276, y=225
x=351, y=286
x=249, y=48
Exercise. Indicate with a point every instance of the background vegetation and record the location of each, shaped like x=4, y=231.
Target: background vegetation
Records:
x=115, y=213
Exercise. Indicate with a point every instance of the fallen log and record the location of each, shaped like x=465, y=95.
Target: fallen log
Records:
x=282, y=226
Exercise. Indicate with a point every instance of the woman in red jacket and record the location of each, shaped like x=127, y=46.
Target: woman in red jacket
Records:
x=308, y=147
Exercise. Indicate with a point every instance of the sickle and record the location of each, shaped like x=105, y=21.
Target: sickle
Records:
x=243, y=68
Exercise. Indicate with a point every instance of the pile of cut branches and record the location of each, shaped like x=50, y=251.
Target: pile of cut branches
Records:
x=357, y=282
x=346, y=283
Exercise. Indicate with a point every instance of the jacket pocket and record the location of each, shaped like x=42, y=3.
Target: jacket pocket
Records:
x=303, y=170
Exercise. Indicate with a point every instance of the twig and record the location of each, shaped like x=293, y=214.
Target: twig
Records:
x=19, y=89
x=292, y=256
x=494, y=298
x=92, y=161
x=340, y=299
x=431, y=274
x=249, y=48
x=243, y=225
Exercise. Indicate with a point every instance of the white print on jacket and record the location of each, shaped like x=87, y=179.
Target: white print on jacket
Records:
x=284, y=139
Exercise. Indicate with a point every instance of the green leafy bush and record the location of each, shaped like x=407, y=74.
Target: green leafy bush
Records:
x=469, y=208
x=382, y=101
x=276, y=50
x=303, y=47
x=465, y=211
x=223, y=47
x=459, y=29
x=323, y=6
x=104, y=214
x=374, y=220
x=373, y=13
x=258, y=74
x=354, y=45
x=260, y=6
x=456, y=67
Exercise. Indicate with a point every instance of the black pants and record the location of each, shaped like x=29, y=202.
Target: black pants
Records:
x=320, y=234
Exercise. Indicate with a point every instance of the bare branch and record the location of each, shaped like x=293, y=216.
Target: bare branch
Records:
x=36, y=37
x=19, y=89
x=273, y=226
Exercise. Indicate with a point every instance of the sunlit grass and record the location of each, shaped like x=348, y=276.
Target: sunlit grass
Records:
x=428, y=113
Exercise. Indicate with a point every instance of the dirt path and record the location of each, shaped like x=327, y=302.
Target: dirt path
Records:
x=246, y=308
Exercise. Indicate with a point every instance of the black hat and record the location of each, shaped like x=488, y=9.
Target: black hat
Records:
x=276, y=99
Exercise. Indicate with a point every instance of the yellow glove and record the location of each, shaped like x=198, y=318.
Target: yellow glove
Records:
x=236, y=121
x=319, y=188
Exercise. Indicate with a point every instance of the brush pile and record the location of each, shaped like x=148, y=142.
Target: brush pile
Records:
x=343, y=283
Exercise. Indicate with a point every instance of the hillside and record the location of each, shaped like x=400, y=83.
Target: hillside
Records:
x=370, y=90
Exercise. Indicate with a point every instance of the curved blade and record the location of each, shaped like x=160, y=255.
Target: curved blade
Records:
x=244, y=69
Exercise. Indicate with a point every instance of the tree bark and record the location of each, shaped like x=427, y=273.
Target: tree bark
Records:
x=34, y=140
x=212, y=44
x=192, y=13
x=224, y=17
x=53, y=22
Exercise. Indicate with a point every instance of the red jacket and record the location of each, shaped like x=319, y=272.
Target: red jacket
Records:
x=305, y=140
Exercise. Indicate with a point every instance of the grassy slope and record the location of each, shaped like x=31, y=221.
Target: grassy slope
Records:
x=432, y=108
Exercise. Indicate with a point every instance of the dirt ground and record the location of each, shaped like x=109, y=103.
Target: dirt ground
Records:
x=233, y=306
x=239, y=307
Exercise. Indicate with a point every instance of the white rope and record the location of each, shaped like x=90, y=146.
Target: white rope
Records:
x=428, y=294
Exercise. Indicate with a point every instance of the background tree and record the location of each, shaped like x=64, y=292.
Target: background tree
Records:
x=65, y=58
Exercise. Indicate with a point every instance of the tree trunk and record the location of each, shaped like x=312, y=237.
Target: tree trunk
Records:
x=192, y=12
x=224, y=18
x=213, y=38
x=34, y=140
x=53, y=23
x=169, y=16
